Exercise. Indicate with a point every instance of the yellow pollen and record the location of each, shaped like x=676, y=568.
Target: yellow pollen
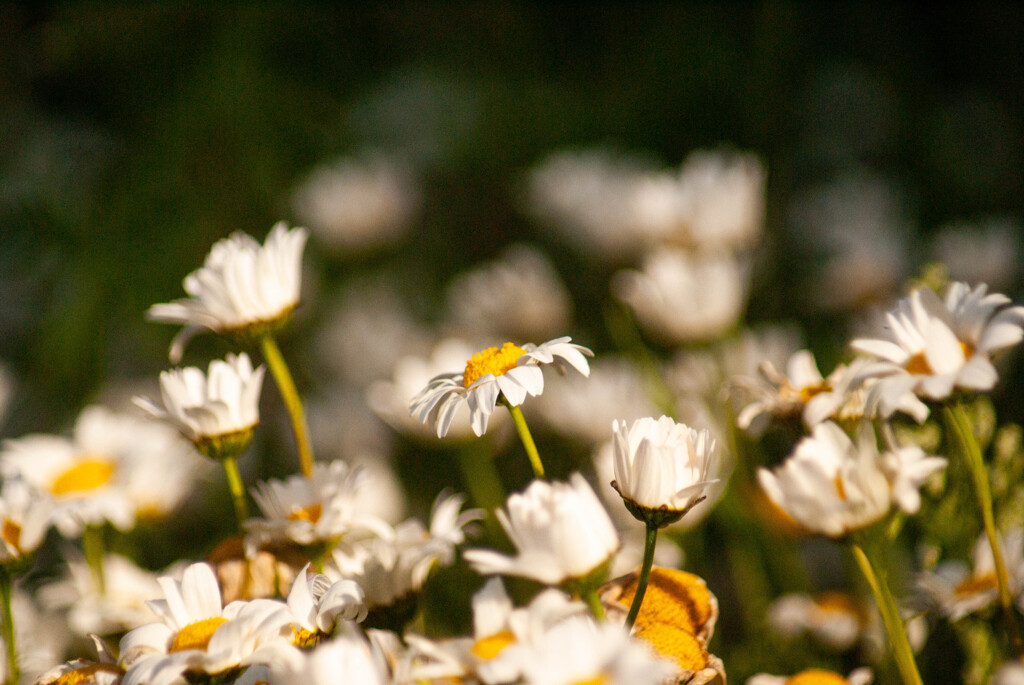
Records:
x=12, y=533
x=815, y=676
x=489, y=647
x=85, y=475
x=808, y=392
x=491, y=361
x=599, y=680
x=305, y=638
x=196, y=635
x=919, y=366
x=86, y=674
x=976, y=584
x=311, y=513
x=840, y=488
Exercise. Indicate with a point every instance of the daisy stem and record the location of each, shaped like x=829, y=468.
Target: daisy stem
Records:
x=524, y=435
x=650, y=540
x=6, y=592
x=594, y=602
x=481, y=480
x=93, y=549
x=237, y=489
x=902, y=653
x=285, y=383
x=959, y=425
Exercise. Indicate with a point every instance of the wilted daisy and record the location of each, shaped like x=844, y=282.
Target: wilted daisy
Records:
x=684, y=297
x=243, y=290
x=25, y=516
x=661, y=468
x=560, y=532
x=933, y=347
x=90, y=477
x=814, y=676
x=196, y=634
x=317, y=606
x=509, y=373
x=216, y=411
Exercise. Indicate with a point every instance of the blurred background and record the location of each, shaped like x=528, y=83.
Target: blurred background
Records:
x=421, y=142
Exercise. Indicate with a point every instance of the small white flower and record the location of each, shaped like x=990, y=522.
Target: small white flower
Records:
x=242, y=287
x=317, y=605
x=814, y=676
x=933, y=347
x=830, y=485
x=510, y=373
x=684, y=297
x=560, y=532
x=834, y=619
x=208, y=406
x=343, y=660
x=661, y=467
x=25, y=516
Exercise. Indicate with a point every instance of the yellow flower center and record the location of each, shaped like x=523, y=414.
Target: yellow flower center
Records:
x=976, y=584
x=86, y=674
x=487, y=648
x=840, y=488
x=305, y=638
x=310, y=514
x=197, y=635
x=815, y=676
x=492, y=361
x=919, y=366
x=837, y=603
x=599, y=680
x=88, y=474
x=11, y=533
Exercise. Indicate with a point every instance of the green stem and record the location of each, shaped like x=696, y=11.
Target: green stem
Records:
x=283, y=378
x=6, y=593
x=237, y=489
x=959, y=425
x=93, y=549
x=650, y=540
x=594, y=602
x=902, y=652
x=482, y=481
x=524, y=435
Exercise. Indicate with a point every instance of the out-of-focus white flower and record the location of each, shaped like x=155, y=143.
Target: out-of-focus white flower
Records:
x=957, y=590
x=684, y=297
x=560, y=532
x=578, y=650
x=343, y=660
x=986, y=251
x=933, y=347
x=119, y=607
x=216, y=411
x=93, y=477
x=834, y=619
x=195, y=633
x=814, y=676
x=1010, y=673
x=355, y=205
x=390, y=568
x=908, y=468
x=317, y=606
x=242, y=290
x=390, y=399
x=321, y=509
x=583, y=407
x=661, y=468
x=25, y=516
x=518, y=294
x=105, y=671
x=510, y=373
x=830, y=485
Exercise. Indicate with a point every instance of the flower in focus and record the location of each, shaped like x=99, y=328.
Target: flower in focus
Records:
x=684, y=297
x=342, y=660
x=830, y=485
x=933, y=347
x=25, y=516
x=510, y=374
x=243, y=290
x=196, y=634
x=94, y=476
x=835, y=620
x=216, y=411
x=956, y=590
x=317, y=605
x=661, y=468
x=560, y=532
x=320, y=510
x=814, y=676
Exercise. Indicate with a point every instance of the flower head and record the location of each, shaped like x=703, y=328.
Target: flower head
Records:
x=242, y=290
x=509, y=373
x=814, y=676
x=216, y=411
x=25, y=516
x=661, y=468
x=342, y=660
x=317, y=605
x=933, y=347
x=560, y=531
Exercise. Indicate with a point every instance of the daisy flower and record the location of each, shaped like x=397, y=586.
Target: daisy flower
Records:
x=835, y=620
x=560, y=532
x=25, y=516
x=216, y=411
x=509, y=374
x=343, y=660
x=243, y=289
x=814, y=676
x=317, y=605
x=933, y=346
x=104, y=671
